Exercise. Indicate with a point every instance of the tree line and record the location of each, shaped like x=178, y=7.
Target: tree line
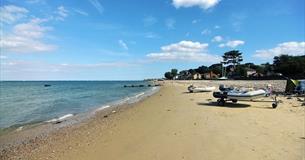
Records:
x=231, y=67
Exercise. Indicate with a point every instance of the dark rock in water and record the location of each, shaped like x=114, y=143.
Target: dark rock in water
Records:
x=47, y=85
x=141, y=85
x=125, y=86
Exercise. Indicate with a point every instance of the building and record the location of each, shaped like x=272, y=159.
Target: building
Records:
x=196, y=76
x=250, y=72
x=210, y=75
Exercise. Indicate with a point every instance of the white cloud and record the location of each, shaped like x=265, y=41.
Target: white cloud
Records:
x=184, y=51
x=123, y=44
x=216, y=27
x=81, y=12
x=204, y=4
x=27, y=38
x=217, y=39
x=3, y=57
x=149, y=21
x=35, y=1
x=237, y=20
x=62, y=13
x=290, y=48
x=10, y=13
x=151, y=35
x=170, y=23
x=195, y=21
x=206, y=32
x=232, y=44
x=97, y=5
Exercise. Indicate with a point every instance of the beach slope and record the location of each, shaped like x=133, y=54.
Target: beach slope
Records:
x=174, y=124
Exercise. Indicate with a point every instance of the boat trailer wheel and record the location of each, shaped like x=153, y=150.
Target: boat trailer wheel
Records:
x=274, y=105
x=221, y=102
x=234, y=100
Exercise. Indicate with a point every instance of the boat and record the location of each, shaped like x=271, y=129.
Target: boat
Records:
x=193, y=89
x=222, y=78
x=233, y=94
x=246, y=95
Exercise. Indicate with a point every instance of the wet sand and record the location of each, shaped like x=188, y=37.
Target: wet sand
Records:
x=175, y=124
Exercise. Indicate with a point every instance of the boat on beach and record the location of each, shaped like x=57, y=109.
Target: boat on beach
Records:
x=193, y=89
x=246, y=95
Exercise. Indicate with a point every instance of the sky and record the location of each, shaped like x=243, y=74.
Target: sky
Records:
x=138, y=39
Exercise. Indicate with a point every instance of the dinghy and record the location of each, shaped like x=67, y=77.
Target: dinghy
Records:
x=193, y=89
x=234, y=95
x=245, y=95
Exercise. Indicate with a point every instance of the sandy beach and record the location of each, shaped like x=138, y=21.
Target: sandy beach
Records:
x=173, y=124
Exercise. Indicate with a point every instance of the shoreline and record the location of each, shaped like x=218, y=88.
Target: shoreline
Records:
x=27, y=134
x=174, y=124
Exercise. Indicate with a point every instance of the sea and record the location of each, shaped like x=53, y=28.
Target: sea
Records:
x=31, y=102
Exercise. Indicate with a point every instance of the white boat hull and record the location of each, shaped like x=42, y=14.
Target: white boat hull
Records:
x=202, y=89
x=250, y=95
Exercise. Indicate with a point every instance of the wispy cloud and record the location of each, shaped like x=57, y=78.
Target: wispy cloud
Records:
x=232, y=44
x=150, y=20
x=170, y=23
x=11, y=13
x=123, y=44
x=81, y=12
x=217, y=39
x=61, y=13
x=290, y=48
x=195, y=21
x=40, y=70
x=35, y=1
x=27, y=38
x=184, y=51
x=151, y=35
x=206, y=32
x=3, y=57
x=237, y=20
x=216, y=27
x=204, y=4
x=97, y=5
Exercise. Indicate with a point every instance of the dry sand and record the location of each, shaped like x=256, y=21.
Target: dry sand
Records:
x=174, y=124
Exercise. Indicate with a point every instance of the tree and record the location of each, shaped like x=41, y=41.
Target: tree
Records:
x=267, y=68
x=232, y=57
x=215, y=68
x=192, y=71
x=241, y=71
x=290, y=66
x=174, y=72
x=202, y=69
x=168, y=75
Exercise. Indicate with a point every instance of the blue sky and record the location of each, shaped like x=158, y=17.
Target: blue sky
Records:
x=137, y=39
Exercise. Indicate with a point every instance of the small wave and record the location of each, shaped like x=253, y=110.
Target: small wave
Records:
x=60, y=119
x=19, y=128
x=140, y=94
x=103, y=107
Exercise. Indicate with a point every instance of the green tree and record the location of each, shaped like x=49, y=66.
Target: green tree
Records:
x=192, y=71
x=290, y=66
x=241, y=71
x=215, y=68
x=232, y=57
x=202, y=69
x=168, y=75
x=174, y=72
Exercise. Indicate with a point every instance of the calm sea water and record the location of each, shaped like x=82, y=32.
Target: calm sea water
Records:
x=27, y=102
